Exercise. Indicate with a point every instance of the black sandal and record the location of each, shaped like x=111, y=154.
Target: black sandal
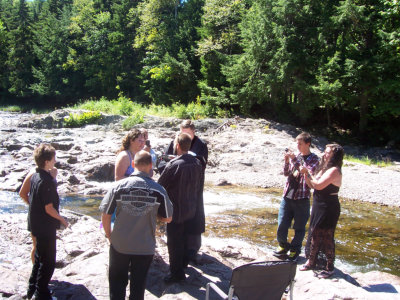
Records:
x=326, y=274
x=306, y=267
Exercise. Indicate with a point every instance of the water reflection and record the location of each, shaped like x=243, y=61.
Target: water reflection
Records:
x=367, y=236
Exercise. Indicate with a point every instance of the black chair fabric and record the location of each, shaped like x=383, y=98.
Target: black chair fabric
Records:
x=263, y=280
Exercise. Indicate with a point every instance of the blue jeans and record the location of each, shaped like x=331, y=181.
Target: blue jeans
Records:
x=299, y=211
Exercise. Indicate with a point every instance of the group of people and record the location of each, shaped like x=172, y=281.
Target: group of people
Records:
x=137, y=201
x=304, y=172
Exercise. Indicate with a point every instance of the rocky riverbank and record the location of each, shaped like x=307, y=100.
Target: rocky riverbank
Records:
x=82, y=261
x=244, y=152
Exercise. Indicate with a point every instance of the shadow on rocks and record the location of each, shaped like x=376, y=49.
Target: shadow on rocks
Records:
x=63, y=290
x=197, y=276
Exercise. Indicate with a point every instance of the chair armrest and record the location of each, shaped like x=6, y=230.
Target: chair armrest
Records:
x=216, y=289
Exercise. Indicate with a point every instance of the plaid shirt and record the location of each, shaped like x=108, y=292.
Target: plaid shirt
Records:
x=310, y=163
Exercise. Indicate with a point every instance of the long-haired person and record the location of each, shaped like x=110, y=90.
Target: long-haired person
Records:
x=132, y=143
x=325, y=210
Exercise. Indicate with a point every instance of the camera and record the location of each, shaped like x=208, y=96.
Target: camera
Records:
x=286, y=149
x=147, y=143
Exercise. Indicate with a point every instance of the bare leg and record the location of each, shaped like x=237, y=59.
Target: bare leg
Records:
x=33, y=249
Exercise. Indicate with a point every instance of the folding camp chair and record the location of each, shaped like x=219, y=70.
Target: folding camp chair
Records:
x=266, y=280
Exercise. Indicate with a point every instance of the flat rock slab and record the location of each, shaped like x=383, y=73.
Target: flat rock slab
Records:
x=82, y=263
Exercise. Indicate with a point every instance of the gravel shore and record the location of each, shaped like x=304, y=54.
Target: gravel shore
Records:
x=250, y=153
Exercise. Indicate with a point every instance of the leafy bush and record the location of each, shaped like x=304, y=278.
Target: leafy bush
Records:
x=78, y=120
x=103, y=104
x=133, y=120
x=12, y=108
x=124, y=106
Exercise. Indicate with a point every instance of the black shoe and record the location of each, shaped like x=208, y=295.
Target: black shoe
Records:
x=281, y=251
x=174, y=279
x=30, y=293
x=195, y=260
x=293, y=255
x=46, y=296
x=281, y=256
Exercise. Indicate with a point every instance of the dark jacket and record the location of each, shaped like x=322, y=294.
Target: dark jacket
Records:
x=183, y=179
x=198, y=146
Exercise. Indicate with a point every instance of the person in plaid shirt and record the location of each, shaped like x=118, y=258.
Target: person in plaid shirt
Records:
x=295, y=203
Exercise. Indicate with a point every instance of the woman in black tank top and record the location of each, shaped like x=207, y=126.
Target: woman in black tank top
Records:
x=320, y=246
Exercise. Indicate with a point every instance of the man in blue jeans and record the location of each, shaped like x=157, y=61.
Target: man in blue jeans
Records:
x=295, y=203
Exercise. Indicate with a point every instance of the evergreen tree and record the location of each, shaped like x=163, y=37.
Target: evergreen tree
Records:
x=3, y=58
x=51, y=50
x=167, y=73
x=20, y=56
x=367, y=52
x=220, y=41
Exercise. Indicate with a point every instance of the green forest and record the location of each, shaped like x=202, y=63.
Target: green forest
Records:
x=328, y=64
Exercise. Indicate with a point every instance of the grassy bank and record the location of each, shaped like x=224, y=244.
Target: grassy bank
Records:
x=136, y=111
x=365, y=160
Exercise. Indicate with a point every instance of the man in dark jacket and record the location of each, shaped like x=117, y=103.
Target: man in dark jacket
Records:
x=183, y=179
x=196, y=227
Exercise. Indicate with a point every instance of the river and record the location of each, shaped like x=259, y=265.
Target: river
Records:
x=367, y=237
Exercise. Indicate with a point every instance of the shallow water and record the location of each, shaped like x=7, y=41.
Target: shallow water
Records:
x=367, y=237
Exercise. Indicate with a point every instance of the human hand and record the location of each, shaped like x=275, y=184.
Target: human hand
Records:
x=53, y=172
x=291, y=154
x=286, y=157
x=303, y=170
x=64, y=223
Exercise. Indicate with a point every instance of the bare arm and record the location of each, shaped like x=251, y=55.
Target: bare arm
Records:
x=121, y=165
x=286, y=167
x=106, y=220
x=50, y=210
x=25, y=188
x=332, y=175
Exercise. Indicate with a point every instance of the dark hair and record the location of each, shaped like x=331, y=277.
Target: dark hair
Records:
x=185, y=141
x=126, y=141
x=144, y=132
x=336, y=159
x=187, y=124
x=43, y=153
x=142, y=158
x=305, y=137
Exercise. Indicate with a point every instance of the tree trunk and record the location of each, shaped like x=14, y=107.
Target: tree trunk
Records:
x=328, y=117
x=362, y=126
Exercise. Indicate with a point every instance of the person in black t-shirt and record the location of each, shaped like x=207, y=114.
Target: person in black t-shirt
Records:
x=43, y=221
